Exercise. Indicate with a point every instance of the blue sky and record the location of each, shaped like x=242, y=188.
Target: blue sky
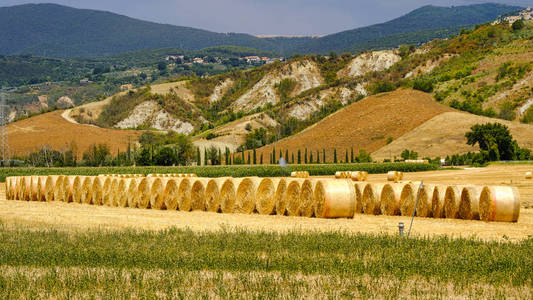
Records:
x=263, y=17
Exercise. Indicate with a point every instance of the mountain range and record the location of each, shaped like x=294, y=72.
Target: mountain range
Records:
x=58, y=31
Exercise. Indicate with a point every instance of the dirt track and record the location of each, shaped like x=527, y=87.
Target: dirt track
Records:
x=80, y=217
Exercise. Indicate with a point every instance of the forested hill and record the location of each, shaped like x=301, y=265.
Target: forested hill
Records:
x=59, y=31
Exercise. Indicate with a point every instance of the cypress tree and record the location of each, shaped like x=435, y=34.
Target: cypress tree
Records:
x=219, y=156
x=243, y=157
x=280, y=154
x=335, y=155
x=255, y=157
x=261, y=159
x=351, y=157
x=274, y=156
x=346, y=158
x=248, y=162
x=205, y=156
x=311, y=157
x=292, y=159
x=305, y=156
x=317, y=157
x=198, y=157
x=324, y=156
x=299, y=157
x=286, y=155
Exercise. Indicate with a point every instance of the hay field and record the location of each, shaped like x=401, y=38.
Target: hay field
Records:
x=77, y=216
x=365, y=124
x=445, y=134
x=53, y=130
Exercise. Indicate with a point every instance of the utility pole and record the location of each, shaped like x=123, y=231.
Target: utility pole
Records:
x=3, y=130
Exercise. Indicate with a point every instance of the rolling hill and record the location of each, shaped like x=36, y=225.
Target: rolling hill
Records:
x=59, y=31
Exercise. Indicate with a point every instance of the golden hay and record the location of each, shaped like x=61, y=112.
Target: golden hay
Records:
x=281, y=189
x=86, y=190
x=408, y=199
x=68, y=188
x=184, y=195
x=133, y=192
x=245, y=201
x=437, y=201
x=8, y=188
x=359, y=188
x=499, y=203
x=124, y=191
x=113, y=195
x=228, y=195
x=26, y=188
x=144, y=190
x=292, y=197
x=50, y=184
x=390, y=199
x=106, y=189
x=171, y=194
x=425, y=202
x=157, y=199
x=212, y=194
x=334, y=199
x=77, y=188
x=358, y=176
x=198, y=197
x=300, y=174
x=307, y=198
x=18, y=188
x=371, y=198
x=451, y=201
x=34, y=188
x=41, y=188
x=97, y=190
x=266, y=196
x=529, y=175
x=469, y=203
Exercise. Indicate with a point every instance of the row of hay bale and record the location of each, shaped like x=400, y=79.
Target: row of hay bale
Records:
x=172, y=175
x=308, y=197
x=123, y=175
x=353, y=175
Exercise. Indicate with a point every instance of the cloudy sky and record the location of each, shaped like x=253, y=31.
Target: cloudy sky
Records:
x=263, y=17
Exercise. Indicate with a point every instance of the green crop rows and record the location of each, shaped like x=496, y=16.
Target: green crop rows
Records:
x=220, y=171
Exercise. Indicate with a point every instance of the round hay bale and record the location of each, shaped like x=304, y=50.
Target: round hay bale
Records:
x=50, y=185
x=425, y=202
x=68, y=188
x=198, y=197
x=228, y=195
x=77, y=188
x=106, y=190
x=339, y=175
x=184, y=194
x=292, y=197
x=357, y=176
x=212, y=194
x=113, y=195
x=145, y=192
x=390, y=199
x=334, y=199
x=437, y=201
x=245, y=201
x=529, y=175
x=86, y=190
x=451, y=201
x=469, y=203
x=307, y=198
x=171, y=194
x=133, y=192
x=34, y=188
x=97, y=190
x=300, y=174
x=11, y=183
x=41, y=188
x=157, y=199
x=499, y=203
x=26, y=188
x=123, y=191
x=8, y=188
x=359, y=188
x=408, y=199
x=266, y=196
x=16, y=187
x=279, y=197
x=392, y=176
x=371, y=198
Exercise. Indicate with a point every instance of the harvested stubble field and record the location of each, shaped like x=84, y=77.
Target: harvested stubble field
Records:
x=60, y=250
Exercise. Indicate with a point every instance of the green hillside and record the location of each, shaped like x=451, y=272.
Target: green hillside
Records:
x=57, y=31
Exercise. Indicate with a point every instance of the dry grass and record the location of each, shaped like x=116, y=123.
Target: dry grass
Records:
x=445, y=134
x=364, y=125
x=53, y=130
x=74, y=216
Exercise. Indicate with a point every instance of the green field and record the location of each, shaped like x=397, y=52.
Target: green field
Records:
x=220, y=171
x=36, y=263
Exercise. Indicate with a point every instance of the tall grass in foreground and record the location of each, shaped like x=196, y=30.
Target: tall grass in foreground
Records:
x=230, y=263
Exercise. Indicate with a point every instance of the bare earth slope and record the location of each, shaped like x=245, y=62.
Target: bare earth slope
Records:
x=53, y=130
x=364, y=125
x=445, y=134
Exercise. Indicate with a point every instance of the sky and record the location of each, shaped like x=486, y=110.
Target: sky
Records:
x=264, y=17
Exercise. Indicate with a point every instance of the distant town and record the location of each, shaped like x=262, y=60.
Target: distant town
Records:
x=252, y=60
